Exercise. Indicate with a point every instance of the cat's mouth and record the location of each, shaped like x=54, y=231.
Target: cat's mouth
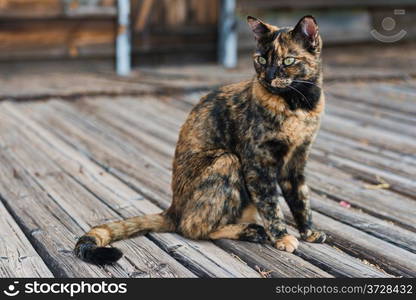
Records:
x=281, y=82
x=277, y=85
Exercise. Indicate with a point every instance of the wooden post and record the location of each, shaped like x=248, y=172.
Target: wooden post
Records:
x=123, y=46
x=227, y=46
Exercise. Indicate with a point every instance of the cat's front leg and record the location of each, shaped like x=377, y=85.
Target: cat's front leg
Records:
x=261, y=185
x=296, y=194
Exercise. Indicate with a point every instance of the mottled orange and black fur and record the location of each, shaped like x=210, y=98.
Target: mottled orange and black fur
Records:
x=237, y=145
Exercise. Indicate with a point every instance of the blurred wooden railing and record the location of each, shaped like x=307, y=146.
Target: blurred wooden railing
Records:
x=176, y=30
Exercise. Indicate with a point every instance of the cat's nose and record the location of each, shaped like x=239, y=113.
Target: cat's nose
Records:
x=271, y=73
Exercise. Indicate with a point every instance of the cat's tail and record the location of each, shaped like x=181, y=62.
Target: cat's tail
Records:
x=91, y=246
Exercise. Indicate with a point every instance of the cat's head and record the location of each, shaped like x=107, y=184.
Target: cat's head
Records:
x=287, y=56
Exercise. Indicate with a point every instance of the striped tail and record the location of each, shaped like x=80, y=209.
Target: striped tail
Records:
x=91, y=246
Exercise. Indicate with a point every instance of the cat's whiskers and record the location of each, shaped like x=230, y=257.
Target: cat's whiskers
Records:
x=304, y=81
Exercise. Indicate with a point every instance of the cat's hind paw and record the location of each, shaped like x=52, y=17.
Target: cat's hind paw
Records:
x=287, y=243
x=313, y=236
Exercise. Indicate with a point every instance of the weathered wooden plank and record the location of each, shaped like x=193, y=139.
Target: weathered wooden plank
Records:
x=53, y=234
x=146, y=257
x=337, y=262
x=384, y=230
x=378, y=95
x=353, y=130
x=396, y=94
x=166, y=201
x=328, y=144
x=142, y=257
x=363, y=107
x=115, y=146
x=368, y=119
x=402, y=161
x=341, y=186
x=93, y=143
x=360, y=244
x=276, y=263
x=18, y=258
x=399, y=184
x=46, y=84
x=202, y=258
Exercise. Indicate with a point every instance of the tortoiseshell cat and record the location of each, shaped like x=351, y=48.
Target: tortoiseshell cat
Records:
x=236, y=145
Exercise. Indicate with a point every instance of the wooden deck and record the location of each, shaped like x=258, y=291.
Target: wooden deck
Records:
x=82, y=149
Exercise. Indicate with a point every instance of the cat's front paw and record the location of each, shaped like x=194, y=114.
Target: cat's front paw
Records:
x=287, y=243
x=313, y=236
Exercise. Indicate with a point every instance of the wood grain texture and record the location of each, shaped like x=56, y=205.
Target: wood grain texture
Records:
x=341, y=186
x=391, y=258
x=392, y=238
x=145, y=258
x=277, y=263
x=22, y=195
x=18, y=258
x=116, y=154
x=98, y=121
x=203, y=258
x=49, y=84
x=148, y=165
x=384, y=230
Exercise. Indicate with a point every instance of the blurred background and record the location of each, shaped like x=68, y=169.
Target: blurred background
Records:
x=182, y=32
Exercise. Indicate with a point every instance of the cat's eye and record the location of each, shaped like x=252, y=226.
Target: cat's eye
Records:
x=289, y=61
x=261, y=60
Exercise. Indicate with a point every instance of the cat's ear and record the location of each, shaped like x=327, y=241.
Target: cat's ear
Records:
x=260, y=29
x=307, y=32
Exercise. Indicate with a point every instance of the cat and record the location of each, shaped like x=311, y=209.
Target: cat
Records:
x=237, y=145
